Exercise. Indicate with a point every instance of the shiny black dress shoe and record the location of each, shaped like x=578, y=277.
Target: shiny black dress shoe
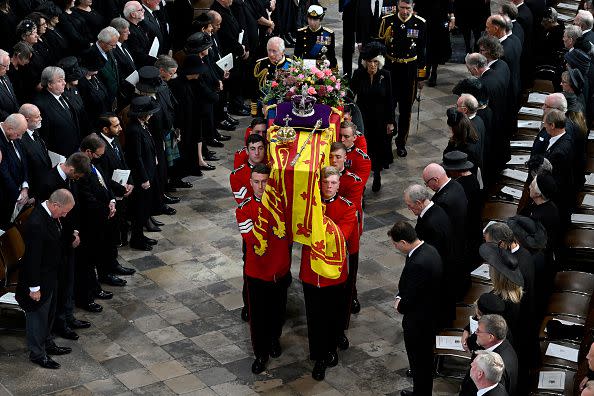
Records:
x=332, y=359
x=170, y=199
x=180, y=184
x=409, y=373
x=150, y=227
x=67, y=333
x=242, y=112
x=226, y=126
x=275, y=349
x=112, y=280
x=377, y=184
x=208, y=152
x=245, y=314
x=79, y=324
x=57, y=350
x=122, y=244
x=259, y=365
x=150, y=241
x=104, y=295
x=211, y=157
x=46, y=362
x=342, y=342
x=91, y=307
x=215, y=143
x=231, y=120
x=319, y=371
x=168, y=210
x=207, y=167
x=401, y=152
x=197, y=172
x=406, y=392
x=140, y=245
x=155, y=221
x=355, y=306
x=119, y=270
x=222, y=138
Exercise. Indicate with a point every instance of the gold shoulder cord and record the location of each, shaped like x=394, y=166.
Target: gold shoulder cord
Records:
x=260, y=75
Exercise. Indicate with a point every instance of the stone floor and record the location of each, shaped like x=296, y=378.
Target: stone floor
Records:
x=175, y=328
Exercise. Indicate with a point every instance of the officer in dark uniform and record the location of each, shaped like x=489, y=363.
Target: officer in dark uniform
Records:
x=404, y=35
x=315, y=41
x=265, y=69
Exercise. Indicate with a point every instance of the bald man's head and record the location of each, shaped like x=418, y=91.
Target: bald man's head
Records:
x=435, y=176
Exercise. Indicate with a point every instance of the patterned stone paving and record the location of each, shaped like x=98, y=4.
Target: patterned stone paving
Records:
x=176, y=327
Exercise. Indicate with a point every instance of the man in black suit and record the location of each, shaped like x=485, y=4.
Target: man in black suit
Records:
x=139, y=43
x=8, y=101
x=13, y=168
x=450, y=195
x=60, y=128
x=36, y=289
x=434, y=227
x=525, y=19
x=38, y=161
x=491, y=336
x=64, y=176
x=153, y=25
x=485, y=371
x=419, y=287
x=107, y=40
x=585, y=21
x=124, y=61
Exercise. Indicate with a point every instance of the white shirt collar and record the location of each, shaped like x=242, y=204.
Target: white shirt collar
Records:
x=491, y=62
x=554, y=139
x=101, y=50
x=415, y=248
x=585, y=31
x=494, y=346
x=481, y=392
x=63, y=175
x=30, y=132
x=470, y=117
x=2, y=129
x=109, y=140
x=426, y=208
x=515, y=249
x=44, y=204
x=446, y=183
x=502, y=39
x=484, y=71
x=55, y=96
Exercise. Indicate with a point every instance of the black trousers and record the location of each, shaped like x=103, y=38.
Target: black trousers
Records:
x=350, y=288
x=38, y=327
x=141, y=204
x=404, y=91
x=267, y=304
x=419, y=339
x=65, y=292
x=348, y=38
x=324, y=307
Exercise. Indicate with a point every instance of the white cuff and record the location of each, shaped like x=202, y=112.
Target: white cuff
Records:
x=35, y=289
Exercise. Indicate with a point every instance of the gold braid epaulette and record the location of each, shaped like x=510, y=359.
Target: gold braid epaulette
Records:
x=260, y=75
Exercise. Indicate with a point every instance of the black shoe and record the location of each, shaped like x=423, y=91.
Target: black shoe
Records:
x=79, y=324
x=377, y=184
x=209, y=152
x=406, y=392
x=432, y=80
x=150, y=241
x=319, y=371
x=155, y=221
x=222, y=138
x=57, y=350
x=180, y=184
x=259, y=365
x=332, y=359
x=150, y=227
x=207, y=167
x=355, y=306
x=46, y=362
x=275, y=349
x=104, y=295
x=67, y=333
x=91, y=307
x=168, y=210
x=231, y=120
x=170, y=200
x=211, y=157
x=112, y=280
x=119, y=270
x=226, y=126
x=342, y=342
x=409, y=373
x=245, y=314
x=196, y=172
x=140, y=245
x=215, y=143
x=170, y=188
x=122, y=244
x=401, y=152
x=240, y=112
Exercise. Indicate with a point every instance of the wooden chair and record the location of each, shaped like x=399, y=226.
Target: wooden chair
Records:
x=580, y=239
x=442, y=354
x=557, y=362
x=474, y=292
x=498, y=211
x=570, y=304
x=544, y=86
x=542, y=335
x=574, y=282
x=22, y=217
x=12, y=250
x=569, y=381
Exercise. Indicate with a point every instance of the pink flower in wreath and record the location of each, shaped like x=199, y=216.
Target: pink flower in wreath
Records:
x=342, y=93
x=300, y=76
x=328, y=72
x=274, y=84
x=337, y=86
x=329, y=88
x=311, y=91
x=333, y=78
x=319, y=74
x=322, y=90
x=292, y=89
x=315, y=70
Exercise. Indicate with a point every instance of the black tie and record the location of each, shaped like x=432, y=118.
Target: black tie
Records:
x=116, y=149
x=58, y=225
x=376, y=9
x=39, y=140
x=5, y=84
x=65, y=105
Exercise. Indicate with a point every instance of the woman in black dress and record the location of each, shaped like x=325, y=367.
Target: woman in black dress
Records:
x=73, y=27
x=93, y=20
x=41, y=46
x=54, y=36
x=372, y=87
x=93, y=92
x=8, y=23
x=27, y=33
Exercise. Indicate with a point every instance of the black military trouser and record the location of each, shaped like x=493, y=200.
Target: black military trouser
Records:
x=348, y=38
x=404, y=91
x=351, y=287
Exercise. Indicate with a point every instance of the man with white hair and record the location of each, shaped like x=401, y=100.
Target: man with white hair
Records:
x=486, y=371
x=139, y=43
x=38, y=160
x=468, y=105
x=8, y=101
x=107, y=40
x=585, y=21
x=570, y=36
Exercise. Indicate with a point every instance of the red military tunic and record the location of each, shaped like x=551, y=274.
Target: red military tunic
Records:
x=240, y=158
x=361, y=142
x=351, y=187
x=358, y=162
x=343, y=213
x=276, y=261
x=240, y=182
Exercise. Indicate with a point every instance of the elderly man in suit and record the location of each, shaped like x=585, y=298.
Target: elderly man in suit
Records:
x=60, y=129
x=107, y=41
x=153, y=25
x=13, y=168
x=8, y=101
x=419, y=287
x=584, y=20
x=38, y=160
x=36, y=289
x=139, y=43
x=124, y=61
x=485, y=371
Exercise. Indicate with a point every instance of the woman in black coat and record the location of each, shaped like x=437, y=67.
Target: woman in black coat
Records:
x=93, y=92
x=8, y=23
x=464, y=138
x=73, y=27
x=92, y=19
x=372, y=87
